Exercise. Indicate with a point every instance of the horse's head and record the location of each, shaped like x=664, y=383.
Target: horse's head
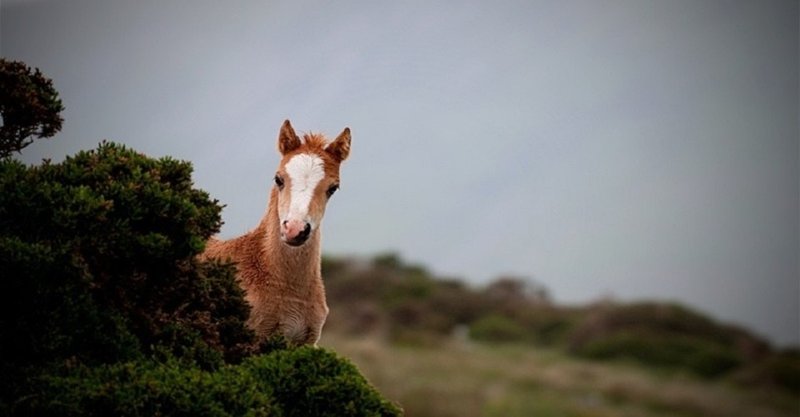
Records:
x=307, y=177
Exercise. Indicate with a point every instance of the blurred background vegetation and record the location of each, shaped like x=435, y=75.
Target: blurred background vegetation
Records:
x=443, y=348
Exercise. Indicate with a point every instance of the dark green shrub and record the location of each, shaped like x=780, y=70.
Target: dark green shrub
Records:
x=29, y=106
x=148, y=388
x=307, y=381
x=289, y=382
x=98, y=260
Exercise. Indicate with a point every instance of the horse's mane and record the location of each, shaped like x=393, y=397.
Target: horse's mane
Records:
x=314, y=142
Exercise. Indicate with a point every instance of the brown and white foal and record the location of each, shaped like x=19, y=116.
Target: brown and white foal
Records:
x=278, y=263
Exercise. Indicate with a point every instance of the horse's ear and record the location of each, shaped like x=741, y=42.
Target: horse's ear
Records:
x=339, y=149
x=287, y=139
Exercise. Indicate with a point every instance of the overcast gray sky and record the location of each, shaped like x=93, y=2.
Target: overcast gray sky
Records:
x=634, y=149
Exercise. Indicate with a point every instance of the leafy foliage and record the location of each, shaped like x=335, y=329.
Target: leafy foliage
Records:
x=29, y=105
x=301, y=381
x=313, y=382
x=98, y=254
x=148, y=388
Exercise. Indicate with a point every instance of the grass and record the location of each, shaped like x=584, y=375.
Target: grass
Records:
x=472, y=380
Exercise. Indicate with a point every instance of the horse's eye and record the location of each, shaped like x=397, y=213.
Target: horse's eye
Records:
x=279, y=181
x=332, y=189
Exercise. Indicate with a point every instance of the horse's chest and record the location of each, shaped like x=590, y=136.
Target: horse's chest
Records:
x=297, y=318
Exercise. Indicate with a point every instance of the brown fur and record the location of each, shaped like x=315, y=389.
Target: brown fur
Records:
x=283, y=284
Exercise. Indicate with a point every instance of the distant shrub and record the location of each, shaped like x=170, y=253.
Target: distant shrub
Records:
x=784, y=369
x=392, y=262
x=703, y=358
x=665, y=335
x=780, y=369
x=410, y=304
x=497, y=328
x=516, y=291
x=550, y=326
x=412, y=287
x=710, y=360
x=663, y=318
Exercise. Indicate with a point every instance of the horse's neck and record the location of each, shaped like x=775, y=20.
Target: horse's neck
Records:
x=298, y=264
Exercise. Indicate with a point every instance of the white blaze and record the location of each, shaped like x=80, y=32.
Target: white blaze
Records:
x=305, y=172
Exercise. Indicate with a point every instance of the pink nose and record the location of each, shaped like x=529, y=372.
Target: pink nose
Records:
x=295, y=231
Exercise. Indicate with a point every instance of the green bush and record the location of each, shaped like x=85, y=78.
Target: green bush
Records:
x=307, y=381
x=148, y=388
x=98, y=260
x=301, y=381
x=29, y=106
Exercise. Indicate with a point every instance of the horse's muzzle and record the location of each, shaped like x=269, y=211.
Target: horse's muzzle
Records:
x=295, y=232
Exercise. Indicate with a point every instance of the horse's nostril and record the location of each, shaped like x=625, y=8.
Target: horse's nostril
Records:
x=306, y=231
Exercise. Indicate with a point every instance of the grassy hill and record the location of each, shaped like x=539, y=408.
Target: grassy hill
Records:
x=457, y=379
x=441, y=347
